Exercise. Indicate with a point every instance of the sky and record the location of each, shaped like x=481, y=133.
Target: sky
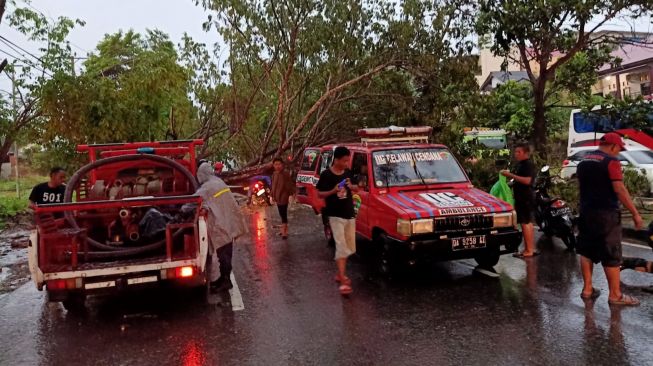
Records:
x=103, y=17
x=170, y=16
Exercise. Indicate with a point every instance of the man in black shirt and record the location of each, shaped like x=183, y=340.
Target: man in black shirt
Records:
x=524, y=178
x=601, y=189
x=335, y=187
x=51, y=191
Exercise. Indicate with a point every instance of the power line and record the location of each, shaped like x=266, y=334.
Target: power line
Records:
x=52, y=19
x=17, y=58
x=10, y=55
x=8, y=42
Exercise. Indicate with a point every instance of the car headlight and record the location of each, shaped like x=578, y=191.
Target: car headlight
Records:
x=411, y=227
x=422, y=226
x=403, y=227
x=503, y=220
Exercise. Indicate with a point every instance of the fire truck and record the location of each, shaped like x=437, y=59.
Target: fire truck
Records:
x=129, y=219
x=416, y=202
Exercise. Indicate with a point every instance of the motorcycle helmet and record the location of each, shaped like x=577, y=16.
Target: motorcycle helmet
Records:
x=218, y=167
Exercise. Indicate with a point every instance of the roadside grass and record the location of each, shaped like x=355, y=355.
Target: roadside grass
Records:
x=10, y=203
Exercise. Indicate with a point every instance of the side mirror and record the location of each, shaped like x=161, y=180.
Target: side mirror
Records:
x=545, y=169
x=624, y=162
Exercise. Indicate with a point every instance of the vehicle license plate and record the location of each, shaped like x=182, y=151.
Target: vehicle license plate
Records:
x=469, y=242
x=261, y=192
x=561, y=211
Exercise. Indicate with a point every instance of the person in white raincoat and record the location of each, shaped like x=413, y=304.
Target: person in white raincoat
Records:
x=225, y=223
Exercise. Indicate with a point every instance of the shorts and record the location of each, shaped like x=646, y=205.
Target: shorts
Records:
x=344, y=234
x=525, y=211
x=599, y=237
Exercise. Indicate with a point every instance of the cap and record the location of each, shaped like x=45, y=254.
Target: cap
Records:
x=613, y=139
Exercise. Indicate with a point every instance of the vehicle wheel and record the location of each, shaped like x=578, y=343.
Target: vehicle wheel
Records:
x=488, y=259
x=570, y=241
x=387, y=261
x=75, y=303
x=547, y=231
x=513, y=247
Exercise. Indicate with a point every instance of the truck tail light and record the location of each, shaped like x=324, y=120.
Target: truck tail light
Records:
x=558, y=204
x=184, y=272
x=177, y=272
x=67, y=284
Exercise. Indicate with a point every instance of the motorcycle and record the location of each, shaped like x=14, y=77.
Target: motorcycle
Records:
x=259, y=194
x=553, y=215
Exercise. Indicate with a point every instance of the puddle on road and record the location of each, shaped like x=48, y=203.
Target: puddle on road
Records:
x=14, y=270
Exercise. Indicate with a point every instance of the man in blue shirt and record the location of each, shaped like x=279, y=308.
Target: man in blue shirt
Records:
x=599, y=240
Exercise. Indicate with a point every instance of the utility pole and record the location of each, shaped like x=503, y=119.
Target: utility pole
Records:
x=15, y=115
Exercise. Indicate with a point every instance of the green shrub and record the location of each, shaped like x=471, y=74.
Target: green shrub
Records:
x=484, y=172
x=636, y=182
x=10, y=206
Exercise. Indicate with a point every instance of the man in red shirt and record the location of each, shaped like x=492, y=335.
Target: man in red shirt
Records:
x=599, y=240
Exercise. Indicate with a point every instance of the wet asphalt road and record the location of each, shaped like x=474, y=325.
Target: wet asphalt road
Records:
x=443, y=314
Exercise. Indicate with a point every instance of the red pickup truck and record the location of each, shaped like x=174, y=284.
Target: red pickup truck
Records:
x=129, y=218
x=416, y=201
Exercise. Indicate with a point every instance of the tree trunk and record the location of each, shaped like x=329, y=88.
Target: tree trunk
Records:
x=539, y=120
x=3, y=4
x=6, y=147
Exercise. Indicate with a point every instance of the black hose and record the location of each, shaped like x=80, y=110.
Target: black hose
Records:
x=111, y=251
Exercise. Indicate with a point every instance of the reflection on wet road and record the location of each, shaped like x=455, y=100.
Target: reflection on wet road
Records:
x=443, y=314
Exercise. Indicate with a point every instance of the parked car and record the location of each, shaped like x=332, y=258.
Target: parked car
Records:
x=640, y=159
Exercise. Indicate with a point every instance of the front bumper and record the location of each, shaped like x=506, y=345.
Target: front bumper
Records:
x=438, y=246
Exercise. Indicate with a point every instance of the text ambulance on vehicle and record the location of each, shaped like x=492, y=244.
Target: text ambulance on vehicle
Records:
x=416, y=201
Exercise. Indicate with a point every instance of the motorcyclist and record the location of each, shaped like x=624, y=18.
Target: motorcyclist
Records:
x=253, y=180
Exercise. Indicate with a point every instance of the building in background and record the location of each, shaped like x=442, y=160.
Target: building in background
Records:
x=633, y=77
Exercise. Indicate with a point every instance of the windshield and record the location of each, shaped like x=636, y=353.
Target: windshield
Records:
x=496, y=143
x=642, y=156
x=606, y=122
x=396, y=168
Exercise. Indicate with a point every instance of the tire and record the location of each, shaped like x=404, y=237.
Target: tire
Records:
x=75, y=303
x=387, y=260
x=570, y=241
x=488, y=259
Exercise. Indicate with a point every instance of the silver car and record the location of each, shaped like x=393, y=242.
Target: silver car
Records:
x=640, y=159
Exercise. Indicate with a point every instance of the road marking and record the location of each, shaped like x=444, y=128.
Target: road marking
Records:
x=636, y=245
x=236, y=298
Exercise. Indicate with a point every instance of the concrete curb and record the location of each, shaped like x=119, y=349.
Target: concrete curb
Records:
x=631, y=233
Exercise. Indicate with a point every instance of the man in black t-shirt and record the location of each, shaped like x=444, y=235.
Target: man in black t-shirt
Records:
x=51, y=191
x=524, y=177
x=599, y=241
x=335, y=187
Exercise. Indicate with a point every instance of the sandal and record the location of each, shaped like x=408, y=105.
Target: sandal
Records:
x=595, y=293
x=343, y=280
x=345, y=290
x=521, y=255
x=625, y=300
